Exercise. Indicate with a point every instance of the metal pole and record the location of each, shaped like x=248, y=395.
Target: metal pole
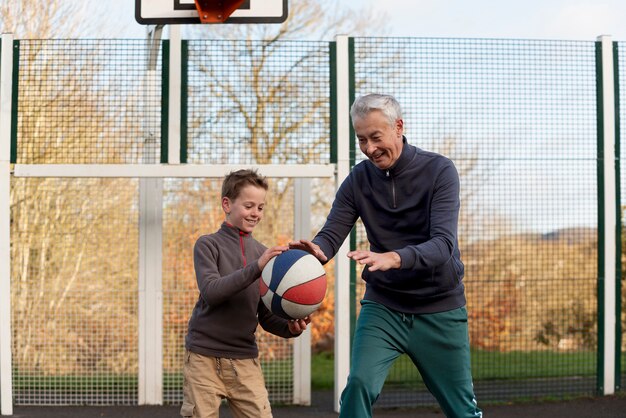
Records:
x=6, y=109
x=174, y=116
x=150, y=255
x=342, y=264
x=607, y=285
x=302, y=344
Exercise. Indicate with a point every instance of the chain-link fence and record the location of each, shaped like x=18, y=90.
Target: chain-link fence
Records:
x=87, y=102
x=621, y=59
x=258, y=103
x=518, y=118
x=74, y=259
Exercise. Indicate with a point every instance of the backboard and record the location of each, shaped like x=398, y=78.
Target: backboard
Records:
x=163, y=12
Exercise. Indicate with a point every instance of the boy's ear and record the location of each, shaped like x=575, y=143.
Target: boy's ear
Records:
x=226, y=205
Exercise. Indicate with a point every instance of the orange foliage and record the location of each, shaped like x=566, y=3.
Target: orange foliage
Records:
x=323, y=320
x=491, y=321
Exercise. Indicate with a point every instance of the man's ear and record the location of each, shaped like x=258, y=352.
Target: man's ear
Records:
x=399, y=127
x=226, y=205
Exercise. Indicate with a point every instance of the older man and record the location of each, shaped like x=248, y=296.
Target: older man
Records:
x=414, y=303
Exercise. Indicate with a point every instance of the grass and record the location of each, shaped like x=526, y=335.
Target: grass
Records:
x=486, y=365
x=101, y=383
x=322, y=371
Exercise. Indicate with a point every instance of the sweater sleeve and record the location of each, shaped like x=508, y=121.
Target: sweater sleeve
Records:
x=444, y=214
x=216, y=289
x=273, y=323
x=341, y=219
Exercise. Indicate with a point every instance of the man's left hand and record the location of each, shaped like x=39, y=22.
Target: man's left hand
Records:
x=376, y=261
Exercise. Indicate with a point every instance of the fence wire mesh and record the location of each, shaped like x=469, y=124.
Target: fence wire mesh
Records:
x=258, y=102
x=518, y=118
x=87, y=102
x=74, y=260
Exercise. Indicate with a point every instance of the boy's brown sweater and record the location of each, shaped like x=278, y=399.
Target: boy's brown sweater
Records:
x=229, y=308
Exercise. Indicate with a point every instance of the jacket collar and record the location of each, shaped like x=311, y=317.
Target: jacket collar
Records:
x=407, y=154
x=233, y=230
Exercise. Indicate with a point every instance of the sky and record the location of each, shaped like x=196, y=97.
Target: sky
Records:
x=529, y=19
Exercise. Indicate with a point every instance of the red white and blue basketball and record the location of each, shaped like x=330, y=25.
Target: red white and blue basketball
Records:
x=293, y=284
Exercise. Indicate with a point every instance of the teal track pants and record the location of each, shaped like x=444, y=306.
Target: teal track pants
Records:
x=438, y=345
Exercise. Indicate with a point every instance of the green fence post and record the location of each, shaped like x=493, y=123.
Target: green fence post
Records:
x=332, y=60
x=608, y=224
x=618, y=228
x=353, y=237
x=183, y=100
x=165, y=99
x=14, y=99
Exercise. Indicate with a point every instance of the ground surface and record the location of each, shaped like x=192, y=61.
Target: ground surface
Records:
x=601, y=407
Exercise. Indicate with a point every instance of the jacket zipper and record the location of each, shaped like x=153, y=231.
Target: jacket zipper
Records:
x=393, y=189
x=243, y=251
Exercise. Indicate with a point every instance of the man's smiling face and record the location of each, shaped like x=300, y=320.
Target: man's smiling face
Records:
x=379, y=140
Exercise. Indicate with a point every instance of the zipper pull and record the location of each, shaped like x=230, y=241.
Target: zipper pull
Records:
x=388, y=173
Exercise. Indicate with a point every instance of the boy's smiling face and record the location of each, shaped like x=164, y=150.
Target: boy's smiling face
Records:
x=246, y=211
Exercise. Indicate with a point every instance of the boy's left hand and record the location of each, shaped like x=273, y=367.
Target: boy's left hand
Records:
x=296, y=326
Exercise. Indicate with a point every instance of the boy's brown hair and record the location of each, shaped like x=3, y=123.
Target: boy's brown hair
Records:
x=237, y=180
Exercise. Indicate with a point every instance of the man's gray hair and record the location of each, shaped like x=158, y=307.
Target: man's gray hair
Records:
x=385, y=103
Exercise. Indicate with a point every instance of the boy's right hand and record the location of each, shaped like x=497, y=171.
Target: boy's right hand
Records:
x=309, y=247
x=271, y=253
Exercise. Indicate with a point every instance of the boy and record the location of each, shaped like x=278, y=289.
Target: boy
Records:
x=221, y=356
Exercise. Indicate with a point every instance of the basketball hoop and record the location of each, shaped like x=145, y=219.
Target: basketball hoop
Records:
x=183, y=12
x=216, y=11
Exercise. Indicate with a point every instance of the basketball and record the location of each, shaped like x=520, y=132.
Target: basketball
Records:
x=293, y=284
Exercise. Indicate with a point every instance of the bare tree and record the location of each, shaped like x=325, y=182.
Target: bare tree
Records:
x=31, y=19
x=258, y=97
x=64, y=252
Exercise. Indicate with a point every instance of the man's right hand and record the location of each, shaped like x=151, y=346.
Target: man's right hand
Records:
x=309, y=247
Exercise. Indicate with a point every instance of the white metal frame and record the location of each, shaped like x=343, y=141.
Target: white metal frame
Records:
x=150, y=387
x=168, y=170
x=175, y=83
x=302, y=344
x=610, y=215
x=150, y=283
x=342, y=264
x=150, y=302
x=6, y=89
